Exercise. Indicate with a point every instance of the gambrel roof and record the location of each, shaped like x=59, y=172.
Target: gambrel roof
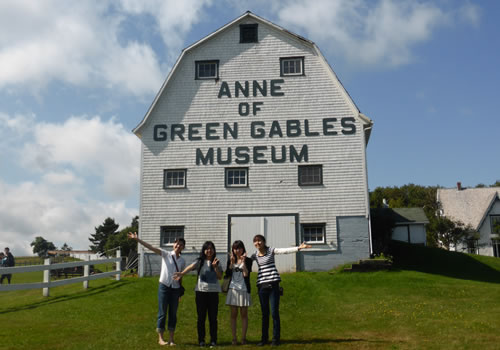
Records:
x=365, y=121
x=469, y=205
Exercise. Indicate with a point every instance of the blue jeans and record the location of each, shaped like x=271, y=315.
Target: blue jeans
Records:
x=168, y=298
x=270, y=296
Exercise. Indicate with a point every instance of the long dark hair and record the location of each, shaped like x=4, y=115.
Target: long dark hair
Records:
x=203, y=256
x=237, y=245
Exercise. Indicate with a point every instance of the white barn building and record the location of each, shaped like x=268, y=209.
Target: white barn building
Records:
x=253, y=133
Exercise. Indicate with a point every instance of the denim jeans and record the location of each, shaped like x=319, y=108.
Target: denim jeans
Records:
x=270, y=296
x=168, y=298
x=207, y=302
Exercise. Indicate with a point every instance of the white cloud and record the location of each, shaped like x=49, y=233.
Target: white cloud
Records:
x=370, y=33
x=75, y=43
x=61, y=204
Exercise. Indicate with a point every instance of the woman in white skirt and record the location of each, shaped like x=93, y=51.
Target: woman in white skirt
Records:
x=238, y=294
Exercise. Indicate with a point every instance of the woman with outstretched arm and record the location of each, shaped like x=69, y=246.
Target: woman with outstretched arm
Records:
x=268, y=285
x=169, y=290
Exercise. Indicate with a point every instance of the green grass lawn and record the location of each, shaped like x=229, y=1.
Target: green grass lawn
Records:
x=450, y=301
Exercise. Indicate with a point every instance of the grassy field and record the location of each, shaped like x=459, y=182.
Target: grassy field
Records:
x=432, y=299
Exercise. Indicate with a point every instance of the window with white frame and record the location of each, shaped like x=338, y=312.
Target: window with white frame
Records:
x=207, y=69
x=310, y=175
x=313, y=233
x=168, y=234
x=236, y=177
x=495, y=243
x=174, y=178
x=292, y=66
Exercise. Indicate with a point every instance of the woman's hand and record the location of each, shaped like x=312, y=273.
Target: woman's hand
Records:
x=304, y=246
x=215, y=263
x=178, y=276
x=133, y=235
x=233, y=259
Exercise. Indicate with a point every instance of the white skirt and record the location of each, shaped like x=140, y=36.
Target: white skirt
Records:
x=238, y=298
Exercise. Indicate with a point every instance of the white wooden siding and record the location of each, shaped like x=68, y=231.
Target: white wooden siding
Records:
x=203, y=206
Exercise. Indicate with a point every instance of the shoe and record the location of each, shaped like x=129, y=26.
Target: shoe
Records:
x=244, y=342
x=202, y=343
x=213, y=344
x=262, y=343
x=275, y=343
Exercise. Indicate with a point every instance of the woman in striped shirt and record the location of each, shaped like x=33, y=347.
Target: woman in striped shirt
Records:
x=268, y=285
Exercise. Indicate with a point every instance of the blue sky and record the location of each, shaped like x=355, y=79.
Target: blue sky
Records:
x=76, y=78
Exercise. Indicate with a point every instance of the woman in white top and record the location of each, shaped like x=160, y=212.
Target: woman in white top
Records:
x=207, y=290
x=238, y=295
x=169, y=290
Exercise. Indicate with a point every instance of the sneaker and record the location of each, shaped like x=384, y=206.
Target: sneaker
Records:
x=275, y=343
x=202, y=343
x=262, y=343
x=213, y=344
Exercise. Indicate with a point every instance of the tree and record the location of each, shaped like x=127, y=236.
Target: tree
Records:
x=496, y=184
x=102, y=234
x=41, y=246
x=448, y=232
x=65, y=247
x=121, y=240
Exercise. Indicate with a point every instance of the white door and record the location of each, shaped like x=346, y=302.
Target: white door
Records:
x=279, y=231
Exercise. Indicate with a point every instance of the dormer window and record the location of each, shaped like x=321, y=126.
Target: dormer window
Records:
x=248, y=33
x=207, y=69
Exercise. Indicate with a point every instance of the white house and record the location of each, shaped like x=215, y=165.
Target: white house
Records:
x=478, y=207
x=253, y=133
x=409, y=225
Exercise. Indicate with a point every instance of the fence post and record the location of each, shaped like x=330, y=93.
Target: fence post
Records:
x=46, y=278
x=86, y=269
x=118, y=264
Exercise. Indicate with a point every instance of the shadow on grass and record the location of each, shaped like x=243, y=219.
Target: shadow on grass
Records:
x=53, y=300
x=441, y=262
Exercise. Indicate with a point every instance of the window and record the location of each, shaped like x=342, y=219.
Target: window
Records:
x=236, y=177
x=310, y=175
x=169, y=234
x=313, y=233
x=496, y=247
x=174, y=178
x=472, y=246
x=207, y=69
x=292, y=66
x=495, y=224
x=249, y=33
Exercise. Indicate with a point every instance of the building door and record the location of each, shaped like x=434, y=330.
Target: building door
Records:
x=280, y=231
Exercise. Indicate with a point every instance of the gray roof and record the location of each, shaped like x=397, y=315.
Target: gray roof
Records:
x=410, y=215
x=403, y=215
x=469, y=205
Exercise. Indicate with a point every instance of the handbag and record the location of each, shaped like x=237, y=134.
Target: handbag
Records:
x=225, y=284
x=181, y=289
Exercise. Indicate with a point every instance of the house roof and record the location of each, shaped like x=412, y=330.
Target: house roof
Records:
x=367, y=122
x=404, y=215
x=470, y=205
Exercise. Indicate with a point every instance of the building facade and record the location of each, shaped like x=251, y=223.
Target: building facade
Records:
x=479, y=208
x=253, y=133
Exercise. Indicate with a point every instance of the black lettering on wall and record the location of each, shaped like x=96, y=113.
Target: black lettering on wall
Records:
x=205, y=159
x=159, y=132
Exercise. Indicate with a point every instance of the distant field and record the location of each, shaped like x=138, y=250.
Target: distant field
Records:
x=448, y=301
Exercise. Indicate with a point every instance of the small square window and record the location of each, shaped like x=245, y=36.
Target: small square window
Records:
x=310, y=175
x=207, y=69
x=249, y=33
x=169, y=234
x=290, y=66
x=174, y=178
x=313, y=233
x=236, y=177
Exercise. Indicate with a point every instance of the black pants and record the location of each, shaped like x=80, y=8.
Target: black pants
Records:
x=8, y=276
x=207, y=302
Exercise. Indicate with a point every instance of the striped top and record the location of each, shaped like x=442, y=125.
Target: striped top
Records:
x=267, y=267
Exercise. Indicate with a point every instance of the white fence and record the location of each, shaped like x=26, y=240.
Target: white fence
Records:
x=47, y=283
